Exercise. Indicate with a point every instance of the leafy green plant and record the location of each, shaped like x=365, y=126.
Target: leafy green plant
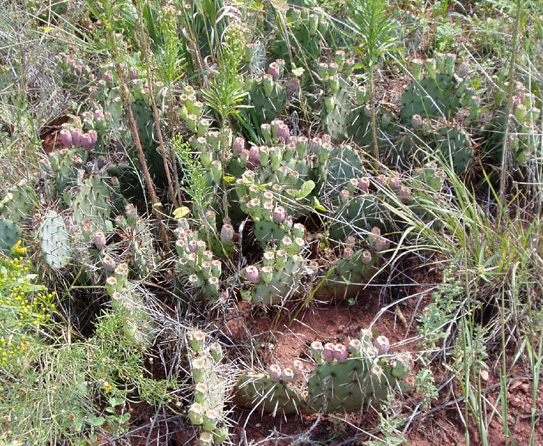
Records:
x=372, y=27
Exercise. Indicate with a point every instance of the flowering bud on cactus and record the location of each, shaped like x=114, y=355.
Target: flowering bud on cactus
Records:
x=66, y=138
x=196, y=414
x=273, y=71
x=198, y=369
x=333, y=84
x=340, y=353
x=216, y=351
x=267, y=83
x=355, y=347
x=216, y=171
x=431, y=67
x=99, y=240
x=288, y=375
x=112, y=285
x=274, y=371
x=382, y=345
x=200, y=393
x=211, y=418
x=206, y=439
x=344, y=196
x=197, y=339
x=317, y=350
x=297, y=367
x=252, y=274
x=520, y=112
x=266, y=274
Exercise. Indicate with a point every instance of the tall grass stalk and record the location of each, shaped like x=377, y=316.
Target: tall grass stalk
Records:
x=512, y=67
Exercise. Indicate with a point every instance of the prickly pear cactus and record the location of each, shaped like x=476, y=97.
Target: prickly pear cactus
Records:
x=92, y=202
x=54, y=240
x=268, y=97
x=274, y=397
x=456, y=146
x=19, y=203
x=345, y=379
x=10, y=234
x=348, y=275
x=210, y=388
x=433, y=98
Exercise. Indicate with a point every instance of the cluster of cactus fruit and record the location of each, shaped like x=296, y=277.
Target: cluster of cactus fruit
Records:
x=128, y=303
x=210, y=390
x=344, y=379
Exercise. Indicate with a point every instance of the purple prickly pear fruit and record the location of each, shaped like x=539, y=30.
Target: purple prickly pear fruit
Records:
x=99, y=240
x=133, y=74
x=193, y=246
x=463, y=70
x=340, y=353
x=279, y=214
x=416, y=121
x=227, y=233
x=108, y=263
x=254, y=155
x=252, y=274
x=283, y=133
x=404, y=193
x=93, y=135
x=274, y=371
x=382, y=180
x=348, y=253
x=382, y=345
x=273, y=71
x=239, y=146
x=364, y=184
x=328, y=352
x=351, y=241
x=288, y=375
x=394, y=181
x=366, y=257
x=76, y=137
x=292, y=87
x=66, y=138
x=86, y=142
x=381, y=244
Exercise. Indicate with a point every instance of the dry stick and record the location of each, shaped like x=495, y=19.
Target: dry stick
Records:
x=134, y=129
x=146, y=52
